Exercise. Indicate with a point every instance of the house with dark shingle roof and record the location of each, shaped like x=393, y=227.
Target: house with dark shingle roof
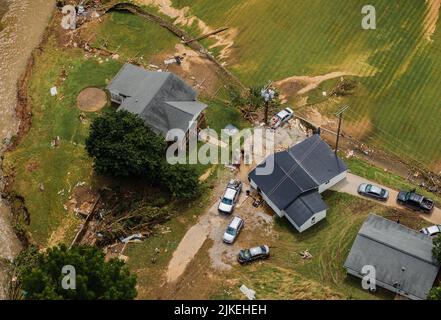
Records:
x=300, y=175
x=402, y=257
x=163, y=100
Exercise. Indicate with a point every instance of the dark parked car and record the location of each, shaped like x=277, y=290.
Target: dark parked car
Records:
x=253, y=254
x=415, y=201
x=373, y=191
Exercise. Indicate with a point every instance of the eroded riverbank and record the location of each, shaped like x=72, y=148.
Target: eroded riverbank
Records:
x=22, y=27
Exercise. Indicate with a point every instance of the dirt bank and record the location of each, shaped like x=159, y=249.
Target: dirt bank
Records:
x=223, y=40
x=21, y=32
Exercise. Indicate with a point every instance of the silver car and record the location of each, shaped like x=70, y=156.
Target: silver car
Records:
x=431, y=231
x=233, y=230
x=372, y=191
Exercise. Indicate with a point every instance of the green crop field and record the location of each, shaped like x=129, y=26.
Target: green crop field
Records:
x=397, y=103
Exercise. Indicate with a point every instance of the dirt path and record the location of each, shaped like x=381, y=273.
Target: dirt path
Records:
x=432, y=18
x=189, y=247
x=182, y=16
x=300, y=85
x=350, y=186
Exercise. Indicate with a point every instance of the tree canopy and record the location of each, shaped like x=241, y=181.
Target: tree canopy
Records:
x=122, y=145
x=181, y=180
x=94, y=277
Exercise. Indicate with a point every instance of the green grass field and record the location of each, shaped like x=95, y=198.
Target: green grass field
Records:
x=133, y=37
x=397, y=103
x=34, y=162
x=59, y=169
x=287, y=276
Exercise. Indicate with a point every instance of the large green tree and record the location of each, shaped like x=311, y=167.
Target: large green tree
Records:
x=122, y=145
x=94, y=277
x=435, y=294
x=181, y=180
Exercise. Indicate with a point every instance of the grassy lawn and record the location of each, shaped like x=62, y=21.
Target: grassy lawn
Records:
x=287, y=276
x=133, y=37
x=397, y=66
x=219, y=115
x=59, y=169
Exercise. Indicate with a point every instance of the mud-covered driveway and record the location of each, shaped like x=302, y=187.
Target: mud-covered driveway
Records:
x=212, y=225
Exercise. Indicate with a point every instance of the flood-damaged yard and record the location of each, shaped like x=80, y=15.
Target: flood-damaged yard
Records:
x=185, y=257
x=192, y=262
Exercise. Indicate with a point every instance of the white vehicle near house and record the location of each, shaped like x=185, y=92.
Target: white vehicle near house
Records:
x=283, y=116
x=231, y=196
x=431, y=231
x=233, y=230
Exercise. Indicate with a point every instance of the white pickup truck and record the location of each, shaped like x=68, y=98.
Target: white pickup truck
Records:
x=283, y=116
x=231, y=196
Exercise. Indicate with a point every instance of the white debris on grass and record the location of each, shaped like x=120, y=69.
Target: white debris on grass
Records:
x=54, y=91
x=249, y=293
x=134, y=237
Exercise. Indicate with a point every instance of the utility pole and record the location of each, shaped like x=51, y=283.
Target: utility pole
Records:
x=339, y=114
x=268, y=95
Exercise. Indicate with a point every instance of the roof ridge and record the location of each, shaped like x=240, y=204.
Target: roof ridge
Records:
x=183, y=101
x=362, y=234
x=299, y=162
x=294, y=167
x=304, y=202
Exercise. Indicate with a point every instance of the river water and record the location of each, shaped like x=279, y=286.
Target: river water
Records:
x=22, y=23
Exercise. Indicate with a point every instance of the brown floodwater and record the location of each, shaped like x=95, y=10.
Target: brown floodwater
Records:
x=22, y=23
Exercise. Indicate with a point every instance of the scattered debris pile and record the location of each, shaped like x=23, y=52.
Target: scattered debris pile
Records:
x=344, y=87
x=251, y=104
x=120, y=218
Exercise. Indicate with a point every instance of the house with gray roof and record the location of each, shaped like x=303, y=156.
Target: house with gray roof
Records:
x=300, y=175
x=402, y=257
x=161, y=99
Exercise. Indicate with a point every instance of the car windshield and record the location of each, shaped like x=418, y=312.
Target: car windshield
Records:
x=231, y=231
x=227, y=201
x=374, y=190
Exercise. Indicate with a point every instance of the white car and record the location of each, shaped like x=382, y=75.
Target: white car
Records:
x=431, y=231
x=233, y=230
x=231, y=196
x=283, y=116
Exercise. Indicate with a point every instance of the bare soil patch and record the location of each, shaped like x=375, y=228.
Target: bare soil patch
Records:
x=92, y=100
x=182, y=17
x=201, y=73
x=79, y=205
x=432, y=18
x=299, y=85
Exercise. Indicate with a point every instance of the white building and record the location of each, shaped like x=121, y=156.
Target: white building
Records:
x=300, y=175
